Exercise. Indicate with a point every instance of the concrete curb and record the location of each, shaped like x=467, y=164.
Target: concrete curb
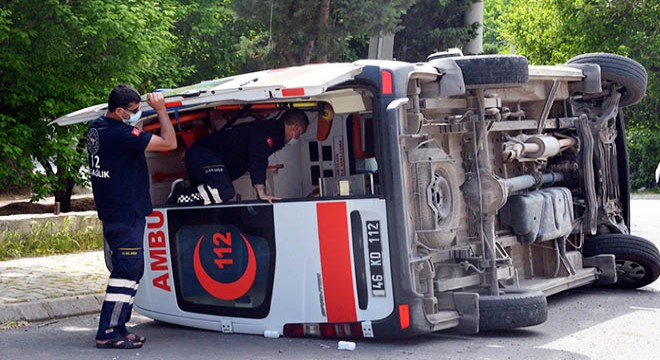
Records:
x=50, y=309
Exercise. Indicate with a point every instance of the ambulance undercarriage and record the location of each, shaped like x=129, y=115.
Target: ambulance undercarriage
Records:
x=517, y=188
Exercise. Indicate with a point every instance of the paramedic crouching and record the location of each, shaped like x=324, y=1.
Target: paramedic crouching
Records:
x=120, y=182
x=215, y=161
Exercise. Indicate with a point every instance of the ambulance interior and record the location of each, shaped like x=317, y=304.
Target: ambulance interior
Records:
x=335, y=157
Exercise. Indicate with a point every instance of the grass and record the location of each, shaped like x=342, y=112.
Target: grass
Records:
x=13, y=324
x=47, y=239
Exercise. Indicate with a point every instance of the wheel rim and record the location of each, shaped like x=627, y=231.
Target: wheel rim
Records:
x=629, y=271
x=439, y=194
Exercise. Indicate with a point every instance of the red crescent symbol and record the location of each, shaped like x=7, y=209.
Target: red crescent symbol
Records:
x=226, y=291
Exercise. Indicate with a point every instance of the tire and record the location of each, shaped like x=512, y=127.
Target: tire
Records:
x=621, y=70
x=493, y=71
x=511, y=311
x=637, y=259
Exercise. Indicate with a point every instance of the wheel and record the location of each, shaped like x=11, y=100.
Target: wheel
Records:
x=512, y=310
x=637, y=259
x=493, y=71
x=621, y=70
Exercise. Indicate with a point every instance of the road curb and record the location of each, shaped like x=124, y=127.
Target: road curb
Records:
x=50, y=309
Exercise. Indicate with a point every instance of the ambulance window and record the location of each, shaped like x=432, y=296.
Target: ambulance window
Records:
x=313, y=151
x=223, y=259
x=327, y=153
x=368, y=165
x=315, y=173
x=362, y=149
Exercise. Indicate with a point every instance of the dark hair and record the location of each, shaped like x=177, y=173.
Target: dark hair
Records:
x=295, y=117
x=121, y=96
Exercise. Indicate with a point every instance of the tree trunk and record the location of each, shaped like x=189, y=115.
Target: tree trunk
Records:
x=64, y=196
x=306, y=55
x=322, y=35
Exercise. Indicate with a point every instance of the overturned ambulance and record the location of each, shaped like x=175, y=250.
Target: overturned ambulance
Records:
x=455, y=193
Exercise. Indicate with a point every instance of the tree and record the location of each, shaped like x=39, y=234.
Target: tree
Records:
x=295, y=32
x=433, y=25
x=553, y=31
x=208, y=34
x=56, y=57
x=494, y=42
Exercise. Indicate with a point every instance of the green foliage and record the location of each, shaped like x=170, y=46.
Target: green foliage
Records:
x=296, y=32
x=442, y=26
x=59, y=57
x=46, y=239
x=494, y=42
x=208, y=34
x=643, y=150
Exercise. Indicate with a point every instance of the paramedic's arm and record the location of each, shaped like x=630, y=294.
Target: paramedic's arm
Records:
x=167, y=139
x=261, y=193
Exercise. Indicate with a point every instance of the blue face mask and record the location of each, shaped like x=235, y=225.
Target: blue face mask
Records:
x=293, y=141
x=134, y=118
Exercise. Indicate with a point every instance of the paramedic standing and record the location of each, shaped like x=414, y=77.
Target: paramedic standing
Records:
x=120, y=183
x=215, y=161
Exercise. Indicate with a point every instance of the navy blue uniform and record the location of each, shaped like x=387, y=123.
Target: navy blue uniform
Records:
x=120, y=178
x=120, y=182
x=224, y=156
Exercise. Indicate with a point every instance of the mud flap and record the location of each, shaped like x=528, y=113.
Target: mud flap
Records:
x=467, y=305
x=606, y=265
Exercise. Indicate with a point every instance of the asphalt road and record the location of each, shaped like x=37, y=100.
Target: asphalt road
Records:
x=586, y=323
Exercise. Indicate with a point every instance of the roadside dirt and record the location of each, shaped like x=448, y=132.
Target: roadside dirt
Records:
x=23, y=207
x=16, y=200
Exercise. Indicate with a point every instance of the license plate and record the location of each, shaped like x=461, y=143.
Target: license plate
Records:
x=375, y=258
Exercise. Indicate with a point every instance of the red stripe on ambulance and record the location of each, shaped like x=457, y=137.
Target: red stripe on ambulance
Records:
x=336, y=262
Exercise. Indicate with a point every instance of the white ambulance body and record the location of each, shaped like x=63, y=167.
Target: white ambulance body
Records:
x=455, y=193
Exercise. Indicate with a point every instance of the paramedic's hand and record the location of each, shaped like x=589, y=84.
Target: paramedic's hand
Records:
x=261, y=193
x=156, y=101
x=167, y=139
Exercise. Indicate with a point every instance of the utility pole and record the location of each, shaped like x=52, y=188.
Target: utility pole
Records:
x=475, y=13
x=381, y=47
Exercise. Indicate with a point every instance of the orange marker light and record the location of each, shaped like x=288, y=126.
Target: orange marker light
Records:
x=386, y=81
x=293, y=92
x=404, y=316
